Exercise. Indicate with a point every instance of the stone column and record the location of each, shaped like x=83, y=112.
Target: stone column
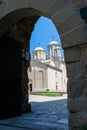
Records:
x=76, y=63
x=25, y=80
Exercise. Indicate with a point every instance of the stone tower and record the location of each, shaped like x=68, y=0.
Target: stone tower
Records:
x=54, y=52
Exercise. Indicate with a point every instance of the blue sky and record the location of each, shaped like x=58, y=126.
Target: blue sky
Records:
x=43, y=33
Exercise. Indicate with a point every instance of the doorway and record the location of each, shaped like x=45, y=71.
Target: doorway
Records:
x=10, y=77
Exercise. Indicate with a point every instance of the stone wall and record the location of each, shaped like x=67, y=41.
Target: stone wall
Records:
x=21, y=31
x=76, y=59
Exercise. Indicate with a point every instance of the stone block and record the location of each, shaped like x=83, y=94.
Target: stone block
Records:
x=77, y=87
x=77, y=74
x=73, y=69
x=77, y=121
x=83, y=59
x=72, y=54
x=77, y=105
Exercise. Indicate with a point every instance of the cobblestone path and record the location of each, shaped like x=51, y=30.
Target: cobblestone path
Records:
x=48, y=113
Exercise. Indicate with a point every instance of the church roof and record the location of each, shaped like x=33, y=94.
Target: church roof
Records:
x=53, y=42
x=38, y=48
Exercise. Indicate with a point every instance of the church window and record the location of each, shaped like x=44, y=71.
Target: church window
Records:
x=56, y=83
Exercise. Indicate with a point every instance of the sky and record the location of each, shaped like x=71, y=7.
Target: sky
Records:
x=44, y=32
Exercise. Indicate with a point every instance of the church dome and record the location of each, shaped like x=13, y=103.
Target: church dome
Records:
x=39, y=54
x=38, y=49
x=53, y=42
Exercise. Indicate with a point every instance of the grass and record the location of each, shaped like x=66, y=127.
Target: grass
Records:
x=55, y=94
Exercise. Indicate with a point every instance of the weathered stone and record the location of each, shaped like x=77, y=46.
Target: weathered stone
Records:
x=83, y=58
x=73, y=69
x=77, y=105
x=80, y=3
x=77, y=73
x=77, y=121
x=76, y=86
x=72, y=54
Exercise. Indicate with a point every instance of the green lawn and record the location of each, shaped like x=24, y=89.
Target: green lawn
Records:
x=46, y=93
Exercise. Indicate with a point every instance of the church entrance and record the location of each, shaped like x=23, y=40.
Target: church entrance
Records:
x=30, y=86
x=10, y=77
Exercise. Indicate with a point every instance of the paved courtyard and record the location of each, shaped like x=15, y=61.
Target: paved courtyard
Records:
x=48, y=113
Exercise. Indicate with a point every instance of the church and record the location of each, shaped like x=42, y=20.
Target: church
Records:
x=47, y=72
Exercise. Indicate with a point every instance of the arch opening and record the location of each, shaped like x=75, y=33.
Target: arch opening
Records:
x=48, y=69
x=16, y=35
x=47, y=55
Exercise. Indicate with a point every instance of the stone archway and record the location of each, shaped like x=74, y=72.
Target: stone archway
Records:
x=19, y=30
x=66, y=16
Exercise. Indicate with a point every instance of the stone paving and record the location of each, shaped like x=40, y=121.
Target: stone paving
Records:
x=48, y=113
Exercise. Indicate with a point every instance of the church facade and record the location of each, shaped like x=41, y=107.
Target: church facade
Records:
x=47, y=73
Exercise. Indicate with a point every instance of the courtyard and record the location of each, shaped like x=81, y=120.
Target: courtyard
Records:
x=48, y=113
